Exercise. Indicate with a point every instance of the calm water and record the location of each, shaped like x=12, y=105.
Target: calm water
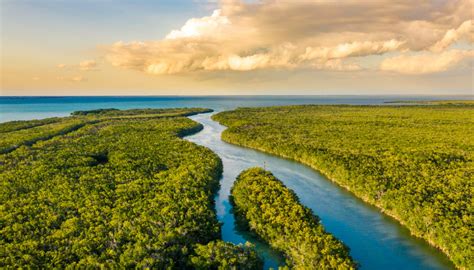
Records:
x=376, y=241
x=24, y=108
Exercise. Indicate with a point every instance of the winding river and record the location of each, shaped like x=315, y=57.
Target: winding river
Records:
x=376, y=241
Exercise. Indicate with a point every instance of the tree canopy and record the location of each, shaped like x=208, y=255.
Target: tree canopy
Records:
x=414, y=162
x=112, y=192
x=263, y=204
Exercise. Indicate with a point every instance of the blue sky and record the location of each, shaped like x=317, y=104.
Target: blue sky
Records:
x=85, y=22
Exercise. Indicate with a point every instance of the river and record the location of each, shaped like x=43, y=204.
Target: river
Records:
x=376, y=241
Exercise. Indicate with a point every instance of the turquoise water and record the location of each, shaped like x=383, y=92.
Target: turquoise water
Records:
x=376, y=241
x=23, y=108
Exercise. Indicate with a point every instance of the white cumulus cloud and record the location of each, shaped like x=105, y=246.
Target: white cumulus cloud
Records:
x=198, y=27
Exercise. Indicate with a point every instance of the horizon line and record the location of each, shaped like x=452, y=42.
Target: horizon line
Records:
x=246, y=95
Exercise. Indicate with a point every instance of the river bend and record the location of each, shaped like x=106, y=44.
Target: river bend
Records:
x=376, y=241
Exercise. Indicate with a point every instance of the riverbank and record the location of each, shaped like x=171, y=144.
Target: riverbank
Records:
x=391, y=157
x=363, y=197
x=376, y=240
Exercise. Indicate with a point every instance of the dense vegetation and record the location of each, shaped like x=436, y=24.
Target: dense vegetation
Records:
x=17, y=125
x=10, y=140
x=142, y=112
x=29, y=132
x=435, y=102
x=225, y=256
x=414, y=162
x=113, y=193
x=264, y=205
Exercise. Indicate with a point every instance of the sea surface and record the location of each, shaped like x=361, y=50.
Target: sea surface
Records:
x=25, y=108
x=376, y=241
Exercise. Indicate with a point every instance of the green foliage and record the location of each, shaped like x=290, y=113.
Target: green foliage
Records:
x=98, y=111
x=435, y=102
x=30, y=132
x=273, y=212
x=220, y=255
x=143, y=112
x=9, y=141
x=114, y=193
x=17, y=125
x=414, y=162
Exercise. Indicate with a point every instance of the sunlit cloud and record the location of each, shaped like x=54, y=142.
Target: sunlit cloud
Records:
x=464, y=32
x=88, y=65
x=427, y=62
x=320, y=35
x=77, y=78
x=84, y=65
x=352, y=49
x=200, y=27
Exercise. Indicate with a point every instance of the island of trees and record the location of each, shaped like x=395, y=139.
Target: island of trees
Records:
x=416, y=163
x=111, y=189
x=265, y=206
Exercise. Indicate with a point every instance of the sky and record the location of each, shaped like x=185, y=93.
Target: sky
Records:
x=231, y=47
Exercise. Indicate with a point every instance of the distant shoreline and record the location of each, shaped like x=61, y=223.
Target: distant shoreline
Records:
x=228, y=96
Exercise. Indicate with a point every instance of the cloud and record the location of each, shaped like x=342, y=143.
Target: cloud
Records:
x=84, y=65
x=426, y=63
x=170, y=58
x=88, y=65
x=315, y=34
x=206, y=26
x=352, y=49
x=77, y=78
x=337, y=65
x=464, y=31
